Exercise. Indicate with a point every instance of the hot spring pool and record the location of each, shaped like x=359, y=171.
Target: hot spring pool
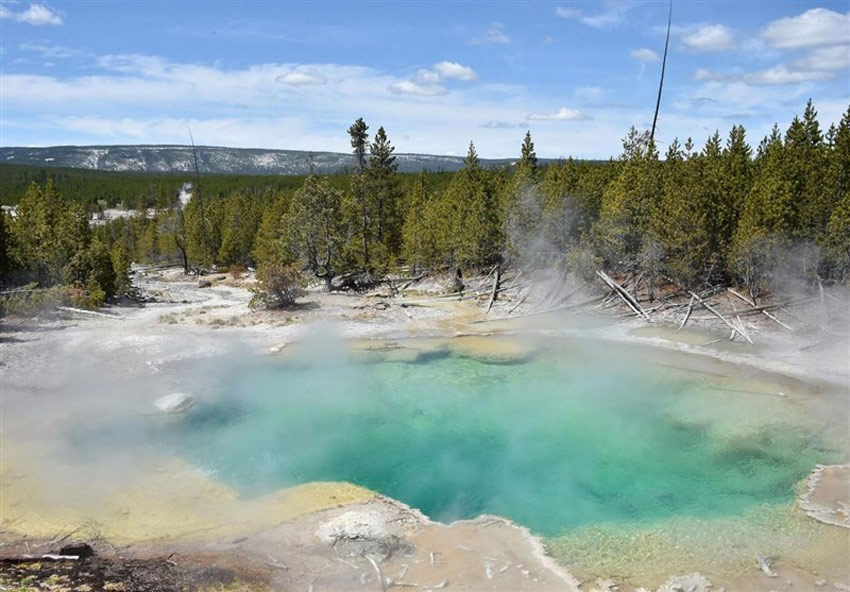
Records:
x=561, y=440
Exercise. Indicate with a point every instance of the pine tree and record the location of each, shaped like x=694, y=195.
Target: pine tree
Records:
x=120, y=268
x=528, y=157
x=359, y=141
x=418, y=247
x=736, y=182
x=472, y=232
x=5, y=259
x=805, y=167
x=678, y=219
x=384, y=194
x=239, y=225
x=523, y=203
x=47, y=233
x=270, y=242
x=837, y=182
x=628, y=203
x=317, y=229
x=471, y=162
x=767, y=217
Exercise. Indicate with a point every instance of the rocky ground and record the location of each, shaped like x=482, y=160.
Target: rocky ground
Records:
x=349, y=539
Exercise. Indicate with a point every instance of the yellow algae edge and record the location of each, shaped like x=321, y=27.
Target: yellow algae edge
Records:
x=167, y=499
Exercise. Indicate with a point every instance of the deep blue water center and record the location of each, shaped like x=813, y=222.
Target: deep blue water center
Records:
x=559, y=441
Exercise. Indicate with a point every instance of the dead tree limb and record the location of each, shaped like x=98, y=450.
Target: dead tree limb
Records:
x=780, y=305
x=713, y=311
x=88, y=312
x=764, y=312
x=414, y=280
x=521, y=299
x=624, y=295
x=687, y=315
x=495, y=291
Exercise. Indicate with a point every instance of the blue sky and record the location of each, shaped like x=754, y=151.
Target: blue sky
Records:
x=435, y=74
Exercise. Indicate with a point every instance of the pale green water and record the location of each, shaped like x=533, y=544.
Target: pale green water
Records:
x=565, y=440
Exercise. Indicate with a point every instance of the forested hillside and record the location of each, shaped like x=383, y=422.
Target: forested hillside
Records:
x=722, y=212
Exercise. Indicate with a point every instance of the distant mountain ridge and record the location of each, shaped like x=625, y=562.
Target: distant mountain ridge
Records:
x=216, y=160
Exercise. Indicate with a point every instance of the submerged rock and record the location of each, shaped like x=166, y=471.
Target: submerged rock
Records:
x=81, y=550
x=492, y=350
x=175, y=402
x=827, y=495
x=361, y=532
x=695, y=582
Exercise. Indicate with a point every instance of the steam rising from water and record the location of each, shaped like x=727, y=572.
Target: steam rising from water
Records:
x=571, y=436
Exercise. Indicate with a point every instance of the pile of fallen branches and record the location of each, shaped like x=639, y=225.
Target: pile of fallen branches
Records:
x=661, y=301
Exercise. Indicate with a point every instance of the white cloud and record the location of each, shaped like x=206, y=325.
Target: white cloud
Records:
x=454, y=70
x=148, y=99
x=777, y=75
x=139, y=80
x=589, y=92
x=782, y=75
x=50, y=51
x=644, y=54
x=501, y=125
x=704, y=74
x=613, y=14
x=562, y=114
x=495, y=34
x=567, y=13
x=35, y=14
x=301, y=79
x=709, y=38
x=426, y=82
x=825, y=59
x=408, y=87
x=427, y=76
x=818, y=26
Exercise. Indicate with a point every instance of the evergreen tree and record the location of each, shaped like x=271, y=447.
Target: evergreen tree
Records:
x=317, y=229
x=359, y=141
x=472, y=232
x=736, y=182
x=121, y=268
x=419, y=248
x=678, y=220
x=766, y=219
x=5, y=259
x=628, y=203
x=523, y=203
x=270, y=241
x=837, y=182
x=471, y=162
x=240, y=222
x=528, y=157
x=384, y=194
x=804, y=167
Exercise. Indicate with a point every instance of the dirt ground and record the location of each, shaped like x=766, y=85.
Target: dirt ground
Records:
x=344, y=540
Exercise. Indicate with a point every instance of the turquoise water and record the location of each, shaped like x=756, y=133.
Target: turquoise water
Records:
x=563, y=440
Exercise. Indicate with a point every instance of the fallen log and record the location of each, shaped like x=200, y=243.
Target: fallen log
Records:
x=687, y=315
x=521, y=299
x=624, y=295
x=713, y=311
x=780, y=305
x=495, y=291
x=88, y=312
x=550, y=296
x=764, y=312
x=18, y=559
x=414, y=280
